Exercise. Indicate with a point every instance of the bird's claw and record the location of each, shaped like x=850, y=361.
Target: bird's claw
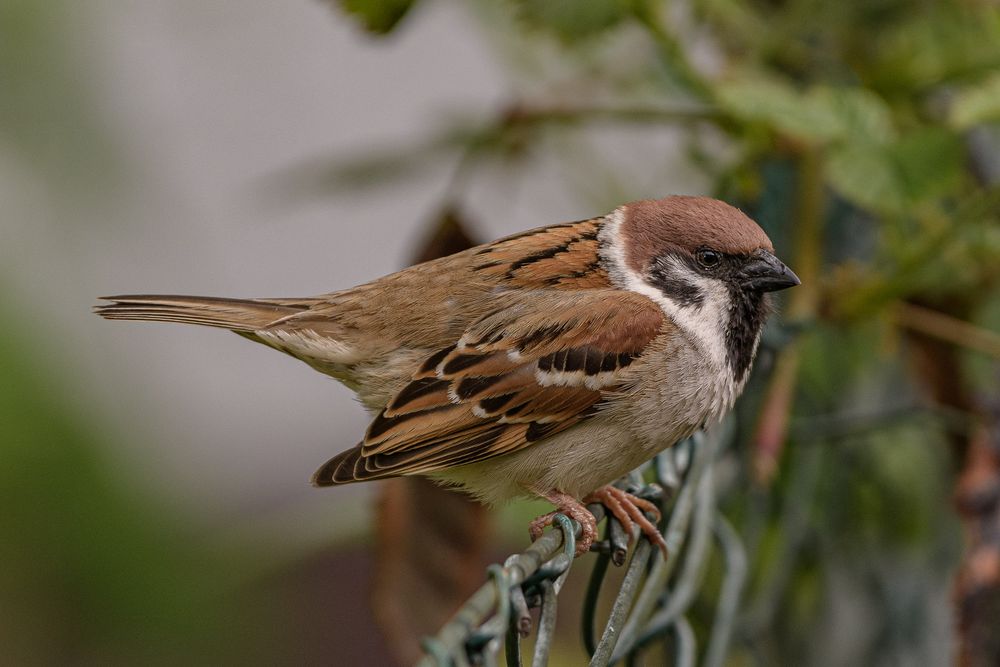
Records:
x=580, y=514
x=630, y=511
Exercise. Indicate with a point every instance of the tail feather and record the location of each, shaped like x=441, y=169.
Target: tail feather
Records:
x=341, y=469
x=243, y=315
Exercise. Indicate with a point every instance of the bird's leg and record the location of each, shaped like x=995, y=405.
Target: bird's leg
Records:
x=629, y=510
x=572, y=508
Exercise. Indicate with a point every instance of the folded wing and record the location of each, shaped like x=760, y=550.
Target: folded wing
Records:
x=539, y=363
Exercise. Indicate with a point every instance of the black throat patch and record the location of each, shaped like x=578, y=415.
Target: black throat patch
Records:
x=747, y=311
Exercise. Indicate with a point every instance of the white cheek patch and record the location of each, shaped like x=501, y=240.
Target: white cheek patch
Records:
x=707, y=320
x=705, y=323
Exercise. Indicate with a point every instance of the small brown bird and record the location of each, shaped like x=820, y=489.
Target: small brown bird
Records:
x=547, y=364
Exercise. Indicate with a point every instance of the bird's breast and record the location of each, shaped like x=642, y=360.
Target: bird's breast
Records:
x=676, y=389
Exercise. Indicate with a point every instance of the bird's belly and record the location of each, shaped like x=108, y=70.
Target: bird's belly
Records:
x=676, y=390
x=576, y=461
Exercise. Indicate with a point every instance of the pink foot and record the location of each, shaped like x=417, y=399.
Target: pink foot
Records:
x=629, y=510
x=575, y=510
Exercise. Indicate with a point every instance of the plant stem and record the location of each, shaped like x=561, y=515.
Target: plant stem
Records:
x=807, y=237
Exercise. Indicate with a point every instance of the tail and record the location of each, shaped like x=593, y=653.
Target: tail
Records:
x=241, y=315
x=340, y=469
x=347, y=467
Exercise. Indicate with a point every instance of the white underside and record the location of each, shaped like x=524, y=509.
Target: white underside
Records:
x=576, y=461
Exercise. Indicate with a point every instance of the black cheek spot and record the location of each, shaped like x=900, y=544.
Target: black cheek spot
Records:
x=665, y=277
x=681, y=291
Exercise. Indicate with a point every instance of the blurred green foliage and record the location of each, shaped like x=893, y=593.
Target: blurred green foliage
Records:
x=48, y=117
x=378, y=16
x=93, y=568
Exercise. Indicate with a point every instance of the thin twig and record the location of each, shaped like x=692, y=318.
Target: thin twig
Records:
x=614, y=114
x=936, y=324
x=772, y=425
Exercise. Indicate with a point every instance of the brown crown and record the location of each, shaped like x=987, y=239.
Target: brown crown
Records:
x=653, y=227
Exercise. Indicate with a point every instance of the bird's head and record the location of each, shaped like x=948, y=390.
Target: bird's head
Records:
x=705, y=262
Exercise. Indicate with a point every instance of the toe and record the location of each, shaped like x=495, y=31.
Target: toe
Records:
x=653, y=534
x=620, y=512
x=539, y=524
x=646, y=506
x=657, y=539
x=588, y=533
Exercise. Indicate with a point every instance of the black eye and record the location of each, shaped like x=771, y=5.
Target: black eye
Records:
x=708, y=258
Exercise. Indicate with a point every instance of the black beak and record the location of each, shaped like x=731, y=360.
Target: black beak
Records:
x=766, y=273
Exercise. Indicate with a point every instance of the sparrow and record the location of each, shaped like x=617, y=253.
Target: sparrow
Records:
x=545, y=364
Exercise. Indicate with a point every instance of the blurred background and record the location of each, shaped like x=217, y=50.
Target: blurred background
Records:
x=154, y=479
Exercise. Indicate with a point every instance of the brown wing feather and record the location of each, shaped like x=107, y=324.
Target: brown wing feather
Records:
x=538, y=364
x=561, y=256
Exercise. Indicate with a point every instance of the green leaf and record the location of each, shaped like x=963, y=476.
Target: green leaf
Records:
x=863, y=174
x=820, y=115
x=775, y=104
x=571, y=20
x=378, y=16
x=976, y=104
x=939, y=43
x=89, y=552
x=893, y=177
x=853, y=113
x=929, y=163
